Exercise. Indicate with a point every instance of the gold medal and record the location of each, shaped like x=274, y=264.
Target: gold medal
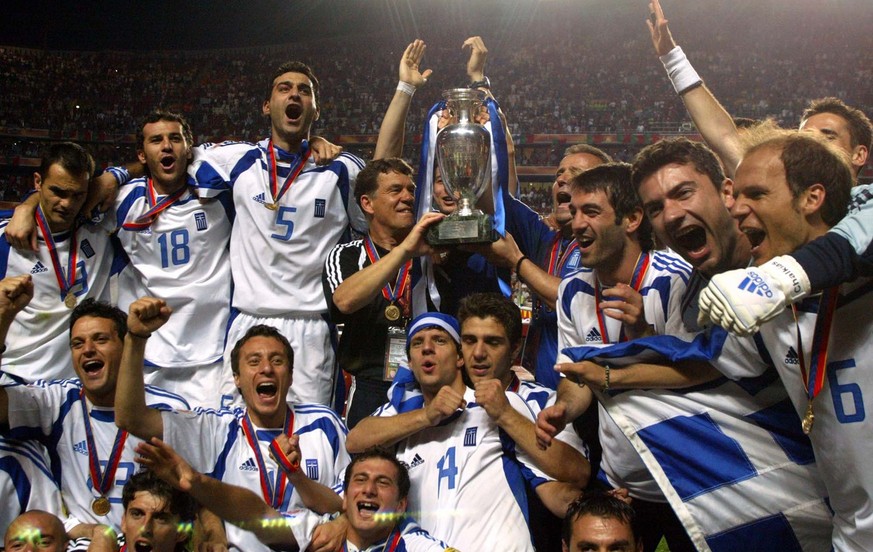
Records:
x=271, y=206
x=808, y=419
x=392, y=312
x=101, y=506
x=70, y=301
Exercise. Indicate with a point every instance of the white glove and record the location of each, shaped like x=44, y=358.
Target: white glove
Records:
x=741, y=300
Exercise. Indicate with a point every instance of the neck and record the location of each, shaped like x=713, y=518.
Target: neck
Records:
x=169, y=188
x=54, y=227
x=107, y=401
x=365, y=540
x=621, y=270
x=384, y=237
x=269, y=421
x=291, y=145
x=457, y=384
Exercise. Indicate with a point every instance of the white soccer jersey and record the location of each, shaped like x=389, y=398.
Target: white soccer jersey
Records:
x=181, y=258
x=537, y=397
x=841, y=433
x=25, y=481
x=277, y=255
x=662, y=288
x=51, y=413
x=468, y=479
x=213, y=442
x=38, y=344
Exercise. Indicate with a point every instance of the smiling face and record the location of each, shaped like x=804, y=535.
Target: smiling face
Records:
x=263, y=380
x=765, y=208
x=570, y=166
x=96, y=348
x=445, y=202
x=434, y=360
x=149, y=526
x=689, y=215
x=166, y=153
x=392, y=204
x=835, y=129
x=371, y=499
x=292, y=109
x=601, y=241
x=61, y=196
x=487, y=350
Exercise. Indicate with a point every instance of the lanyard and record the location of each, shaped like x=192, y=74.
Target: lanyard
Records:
x=102, y=481
x=64, y=283
x=401, y=282
x=155, y=207
x=557, y=258
x=273, y=493
x=275, y=192
x=636, y=283
x=814, y=375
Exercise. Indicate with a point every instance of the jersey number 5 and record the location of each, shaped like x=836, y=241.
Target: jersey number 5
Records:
x=283, y=218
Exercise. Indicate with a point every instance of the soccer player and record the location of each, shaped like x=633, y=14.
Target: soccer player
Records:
x=375, y=490
x=367, y=282
x=789, y=189
x=290, y=213
x=239, y=447
x=74, y=419
x=35, y=530
x=70, y=263
x=458, y=460
x=600, y=522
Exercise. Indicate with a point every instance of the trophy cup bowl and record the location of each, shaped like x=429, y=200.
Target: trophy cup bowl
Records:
x=463, y=150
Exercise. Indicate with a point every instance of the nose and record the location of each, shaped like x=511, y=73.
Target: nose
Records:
x=88, y=347
x=479, y=351
x=166, y=145
x=673, y=211
x=739, y=208
x=148, y=527
x=579, y=223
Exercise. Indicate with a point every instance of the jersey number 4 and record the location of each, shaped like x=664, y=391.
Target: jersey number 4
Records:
x=447, y=470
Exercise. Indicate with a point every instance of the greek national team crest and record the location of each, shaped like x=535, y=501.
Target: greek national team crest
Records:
x=470, y=437
x=86, y=248
x=320, y=208
x=728, y=456
x=200, y=221
x=312, y=468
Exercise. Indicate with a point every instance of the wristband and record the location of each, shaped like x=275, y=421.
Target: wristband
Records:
x=518, y=266
x=285, y=464
x=406, y=88
x=679, y=69
x=138, y=335
x=484, y=83
x=121, y=174
x=606, y=379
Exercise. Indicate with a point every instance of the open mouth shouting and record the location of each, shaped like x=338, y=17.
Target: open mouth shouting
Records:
x=585, y=242
x=691, y=239
x=293, y=111
x=756, y=236
x=92, y=367
x=142, y=546
x=168, y=162
x=267, y=390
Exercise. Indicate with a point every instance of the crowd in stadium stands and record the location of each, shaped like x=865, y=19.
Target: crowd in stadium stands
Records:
x=176, y=361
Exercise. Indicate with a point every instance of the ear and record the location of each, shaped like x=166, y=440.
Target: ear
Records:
x=367, y=205
x=401, y=505
x=727, y=192
x=140, y=155
x=517, y=349
x=859, y=156
x=812, y=199
x=564, y=546
x=634, y=219
x=236, y=380
x=266, y=109
x=37, y=181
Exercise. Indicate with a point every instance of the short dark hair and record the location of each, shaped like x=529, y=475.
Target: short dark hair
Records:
x=163, y=115
x=69, y=155
x=681, y=151
x=295, y=67
x=603, y=505
x=614, y=180
x=808, y=159
x=495, y=305
x=383, y=454
x=260, y=330
x=179, y=503
x=590, y=150
x=367, y=181
x=860, y=129
x=100, y=309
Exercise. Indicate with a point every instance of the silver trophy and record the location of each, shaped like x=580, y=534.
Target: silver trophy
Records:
x=463, y=149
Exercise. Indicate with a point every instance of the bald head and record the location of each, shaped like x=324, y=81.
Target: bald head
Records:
x=36, y=530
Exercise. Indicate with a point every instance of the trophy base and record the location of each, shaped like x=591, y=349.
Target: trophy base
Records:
x=457, y=229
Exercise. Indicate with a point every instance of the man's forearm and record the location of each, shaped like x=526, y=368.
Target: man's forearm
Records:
x=385, y=430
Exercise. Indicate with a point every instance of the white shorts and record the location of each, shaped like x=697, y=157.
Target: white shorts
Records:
x=314, y=374
x=208, y=385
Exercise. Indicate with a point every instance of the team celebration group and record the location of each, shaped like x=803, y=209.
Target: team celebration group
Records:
x=173, y=378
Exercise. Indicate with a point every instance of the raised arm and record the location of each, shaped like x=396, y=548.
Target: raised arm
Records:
x=712, y=120
x=315, y=496
x=393, y=128
x=356, y=291
x=15, y=293
x=146, y=315
x=235, y=504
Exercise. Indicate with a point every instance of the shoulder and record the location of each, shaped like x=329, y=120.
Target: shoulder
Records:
x=344, y=249
x=670, y=263
x=162, y=399
x=308, y=412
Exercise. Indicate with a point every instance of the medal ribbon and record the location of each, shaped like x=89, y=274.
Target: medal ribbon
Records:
x=275, y=192
x=514, y=383
x=102, y=482
x=155, y=207
x=558, y=259
x=814, y=375
x=636, y=283
x=401, y=282
x=395, y=540
x=272, y=493
x=65, y=284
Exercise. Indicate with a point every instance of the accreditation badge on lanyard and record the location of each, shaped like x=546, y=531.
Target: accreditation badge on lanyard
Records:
x=395, y=352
